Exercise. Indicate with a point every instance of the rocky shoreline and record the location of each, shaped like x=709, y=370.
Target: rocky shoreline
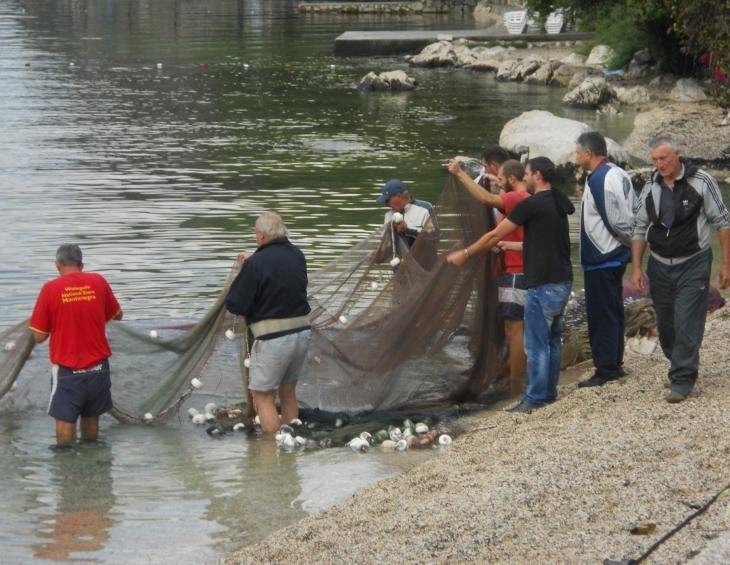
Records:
x=663, y=103
x=602, y=474
x=568, y=483
x=388, y=7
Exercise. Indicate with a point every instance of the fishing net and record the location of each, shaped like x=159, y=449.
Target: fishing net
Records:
x=17, y=343
x=383, y=338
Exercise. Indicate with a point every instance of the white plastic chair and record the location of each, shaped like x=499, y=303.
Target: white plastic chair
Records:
x=516, y=21
x=555, y=22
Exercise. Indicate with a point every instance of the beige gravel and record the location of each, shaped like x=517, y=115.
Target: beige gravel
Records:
x=562, y=485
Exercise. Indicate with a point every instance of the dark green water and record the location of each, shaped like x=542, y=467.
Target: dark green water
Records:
x=159, y=174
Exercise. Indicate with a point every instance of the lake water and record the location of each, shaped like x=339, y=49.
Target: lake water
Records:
x=153, y=134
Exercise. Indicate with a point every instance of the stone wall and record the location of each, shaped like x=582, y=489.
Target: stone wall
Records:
x=433, y=6
x=405, y=7
x=507, y=4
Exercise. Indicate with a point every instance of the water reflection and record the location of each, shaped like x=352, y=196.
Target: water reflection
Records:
x=264, y=497
x=159, y=174
x=80, y=523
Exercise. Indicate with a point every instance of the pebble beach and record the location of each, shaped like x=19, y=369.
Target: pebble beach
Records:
x=570, y=482
x=565, y=484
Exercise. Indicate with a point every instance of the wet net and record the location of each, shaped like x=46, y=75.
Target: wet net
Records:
x=383, y=338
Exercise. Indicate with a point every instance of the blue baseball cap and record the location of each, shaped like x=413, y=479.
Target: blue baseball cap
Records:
x=392, y=187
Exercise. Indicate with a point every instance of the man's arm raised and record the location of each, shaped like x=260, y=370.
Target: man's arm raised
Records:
x=478, y=192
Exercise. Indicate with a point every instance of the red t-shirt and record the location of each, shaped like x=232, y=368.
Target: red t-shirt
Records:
x=513, y=259
x=74, y=309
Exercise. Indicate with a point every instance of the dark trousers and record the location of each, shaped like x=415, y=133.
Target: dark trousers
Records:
x=680, y=293
x=605, y=311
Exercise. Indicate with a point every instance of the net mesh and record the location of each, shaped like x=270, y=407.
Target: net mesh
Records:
x=382, y=339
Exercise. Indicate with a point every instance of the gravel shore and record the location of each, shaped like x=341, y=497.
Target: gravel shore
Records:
x=565, y=484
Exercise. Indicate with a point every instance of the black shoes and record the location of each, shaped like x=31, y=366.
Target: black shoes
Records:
x=595, y=380
x=523, y=407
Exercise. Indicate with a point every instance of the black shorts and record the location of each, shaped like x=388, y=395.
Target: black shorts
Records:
x=86, y=392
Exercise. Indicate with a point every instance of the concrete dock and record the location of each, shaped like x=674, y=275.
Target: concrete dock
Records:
x=393, y=42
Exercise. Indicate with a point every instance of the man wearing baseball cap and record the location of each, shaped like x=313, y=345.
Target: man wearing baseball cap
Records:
x=406, y=218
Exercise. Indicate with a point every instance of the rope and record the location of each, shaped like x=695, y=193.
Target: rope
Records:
x=671, y=532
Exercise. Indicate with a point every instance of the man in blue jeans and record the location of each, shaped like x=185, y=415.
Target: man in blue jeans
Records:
x=548, y=276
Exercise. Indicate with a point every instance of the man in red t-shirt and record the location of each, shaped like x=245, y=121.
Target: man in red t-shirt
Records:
x=511, y=281
x=73, y=310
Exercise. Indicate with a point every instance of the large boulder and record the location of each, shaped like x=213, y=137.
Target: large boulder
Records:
x=698, y=128
x=439, y=54
x=485, y=65
x=600, y=56
x=641, y=65
x=573, y=59
x=687, y=90
x=591, y=93
x=391, y=80
x=506, y=69
x=580, y=75
x=526, y=67
x=550, y=136
x=543, y=74
x=488, y=58
x=631, y=95
x=464, y=56
x=642, y=57
x=563, y=74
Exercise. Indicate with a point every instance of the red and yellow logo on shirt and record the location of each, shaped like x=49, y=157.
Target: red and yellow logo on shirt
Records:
x=78, y=294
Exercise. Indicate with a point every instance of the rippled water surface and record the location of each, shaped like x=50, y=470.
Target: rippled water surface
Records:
x=162, y=495
x=153, y=134
x=160, y=172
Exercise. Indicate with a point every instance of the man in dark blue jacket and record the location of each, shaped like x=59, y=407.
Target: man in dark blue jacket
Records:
x=271, y=292
x=606, y=220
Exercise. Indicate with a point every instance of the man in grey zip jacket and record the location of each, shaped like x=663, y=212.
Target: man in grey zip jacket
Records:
x=676, y=209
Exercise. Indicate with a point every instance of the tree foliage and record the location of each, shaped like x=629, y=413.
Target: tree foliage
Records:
x=676, y=31
x=705, y=26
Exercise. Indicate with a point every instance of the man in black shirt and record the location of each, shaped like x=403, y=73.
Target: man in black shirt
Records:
x=548, y=276
x=271, y=292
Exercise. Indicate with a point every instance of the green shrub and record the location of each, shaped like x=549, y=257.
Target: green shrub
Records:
x=618, y=29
